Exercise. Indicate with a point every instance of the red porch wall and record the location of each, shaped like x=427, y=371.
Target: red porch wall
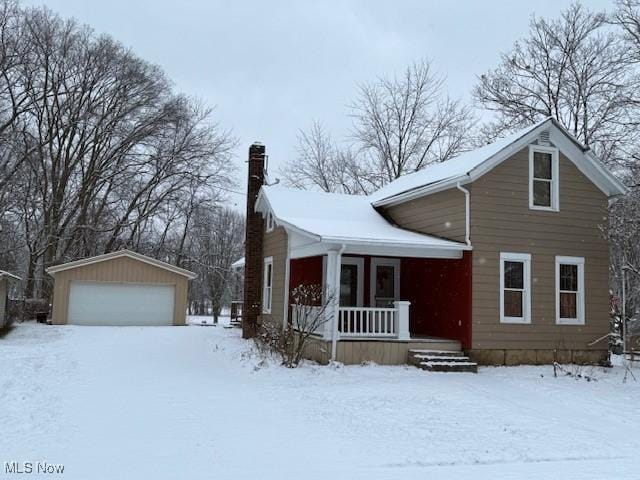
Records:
x=305, y=271
x=440, y=294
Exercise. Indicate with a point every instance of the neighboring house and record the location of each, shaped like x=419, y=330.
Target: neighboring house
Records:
x=120, y=288
x=500, y=252
x=5, y=278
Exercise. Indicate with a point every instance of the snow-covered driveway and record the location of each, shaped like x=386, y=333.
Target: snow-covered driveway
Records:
x=196, y=402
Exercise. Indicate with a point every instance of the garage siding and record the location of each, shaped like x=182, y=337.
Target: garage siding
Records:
x=118, y=270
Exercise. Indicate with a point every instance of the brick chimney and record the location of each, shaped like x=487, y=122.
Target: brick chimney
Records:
x=253, y=244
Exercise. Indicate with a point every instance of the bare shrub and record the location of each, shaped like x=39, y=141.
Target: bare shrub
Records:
x=308, y=315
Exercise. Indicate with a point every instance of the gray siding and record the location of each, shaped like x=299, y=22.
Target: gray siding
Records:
x=441, y=214
x=501, y=221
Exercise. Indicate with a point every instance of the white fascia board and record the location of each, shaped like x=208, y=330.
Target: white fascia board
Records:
x=585, y=161
x=290, y=227
x=316, y=249
x=409, y=245
x=422, y=191
x=508, y=151
x=385, y=251
x=117, y=254
x=8, y=275
x=475, y=173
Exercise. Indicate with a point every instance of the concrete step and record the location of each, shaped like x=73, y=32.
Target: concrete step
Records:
x=458, y=367
x=436, y=353
x=440, y=358
x=441, y=361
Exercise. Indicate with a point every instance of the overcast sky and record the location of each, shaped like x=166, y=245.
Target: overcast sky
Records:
x=270, y=67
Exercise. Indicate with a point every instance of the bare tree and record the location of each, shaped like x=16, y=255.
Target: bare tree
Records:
x=404, y=123
x=575, y=69
x=95, y=146
x=401, y=124
x=216, y=240
x=323, y=165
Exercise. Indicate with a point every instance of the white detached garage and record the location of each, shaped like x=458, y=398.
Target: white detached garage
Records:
x=119, y=288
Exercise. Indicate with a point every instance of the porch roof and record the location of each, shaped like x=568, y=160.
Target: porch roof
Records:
x=8, y=275
x=332, y=218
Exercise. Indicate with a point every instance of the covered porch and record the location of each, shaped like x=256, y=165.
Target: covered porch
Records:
x=389, y=300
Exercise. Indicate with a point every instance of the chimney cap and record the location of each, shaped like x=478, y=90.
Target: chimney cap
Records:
x=258, y=144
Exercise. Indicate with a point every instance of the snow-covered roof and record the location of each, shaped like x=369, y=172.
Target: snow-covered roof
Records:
x=339, y=218
x=121, y=253
x=470, y=165
x=238, y=263
x=4, y=274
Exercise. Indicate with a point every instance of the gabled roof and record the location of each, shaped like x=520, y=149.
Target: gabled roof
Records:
x=11, y=276
x=338, y=218
x=121, y=253
x=238, y=264
x=470, y=165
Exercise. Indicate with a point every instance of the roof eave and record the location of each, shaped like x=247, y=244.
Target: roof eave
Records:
x=10, y=276
x=422, y=191
x=359, y=241
x=120, y=253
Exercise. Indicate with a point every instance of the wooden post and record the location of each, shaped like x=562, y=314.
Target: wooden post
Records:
x=402, y=319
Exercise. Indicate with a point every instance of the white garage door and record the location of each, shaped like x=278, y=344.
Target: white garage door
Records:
x=120, y=304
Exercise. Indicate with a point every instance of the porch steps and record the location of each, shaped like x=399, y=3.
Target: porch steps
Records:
x=441, y=361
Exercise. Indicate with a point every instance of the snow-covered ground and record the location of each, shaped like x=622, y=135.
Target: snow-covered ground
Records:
x=198, y=402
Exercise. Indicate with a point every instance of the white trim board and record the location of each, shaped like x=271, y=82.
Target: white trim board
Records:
x=359, y=263
x=392, y=262
x=583, y=159
x=580, y=300
x=525, y=258
x=121, y=253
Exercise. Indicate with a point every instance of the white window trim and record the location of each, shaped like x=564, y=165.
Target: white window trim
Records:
x=394, y=262
x=579, y=261
x=267, y=292
x=270, y=222
x=525, y=258
x=359, y=263
x=555, y=178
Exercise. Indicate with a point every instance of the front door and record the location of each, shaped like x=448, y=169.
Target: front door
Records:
x=385, y=282
x=349, y=286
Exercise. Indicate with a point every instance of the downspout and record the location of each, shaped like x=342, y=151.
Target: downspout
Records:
x=287, y=274
x=467, y=195
x=336, y=313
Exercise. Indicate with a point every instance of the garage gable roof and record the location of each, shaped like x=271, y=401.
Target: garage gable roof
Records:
x=121, y=253
x=9, y=275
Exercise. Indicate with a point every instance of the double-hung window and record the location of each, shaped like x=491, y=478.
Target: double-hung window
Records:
x=515, y=288
x=270, y=222
x=267, y=285
x=570, y=290
x=543, y=178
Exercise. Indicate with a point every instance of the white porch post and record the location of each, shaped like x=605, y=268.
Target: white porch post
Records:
x=329, y=291
x=334, y=259
x=402, y=319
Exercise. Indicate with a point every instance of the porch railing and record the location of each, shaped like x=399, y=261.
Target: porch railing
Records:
x=367, y=322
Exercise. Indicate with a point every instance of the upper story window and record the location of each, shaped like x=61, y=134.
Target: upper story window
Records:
x=270, y=222
x=543, y=178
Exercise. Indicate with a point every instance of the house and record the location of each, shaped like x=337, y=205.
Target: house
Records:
x=5, y=278
x=500, y=252
x=119, y=288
